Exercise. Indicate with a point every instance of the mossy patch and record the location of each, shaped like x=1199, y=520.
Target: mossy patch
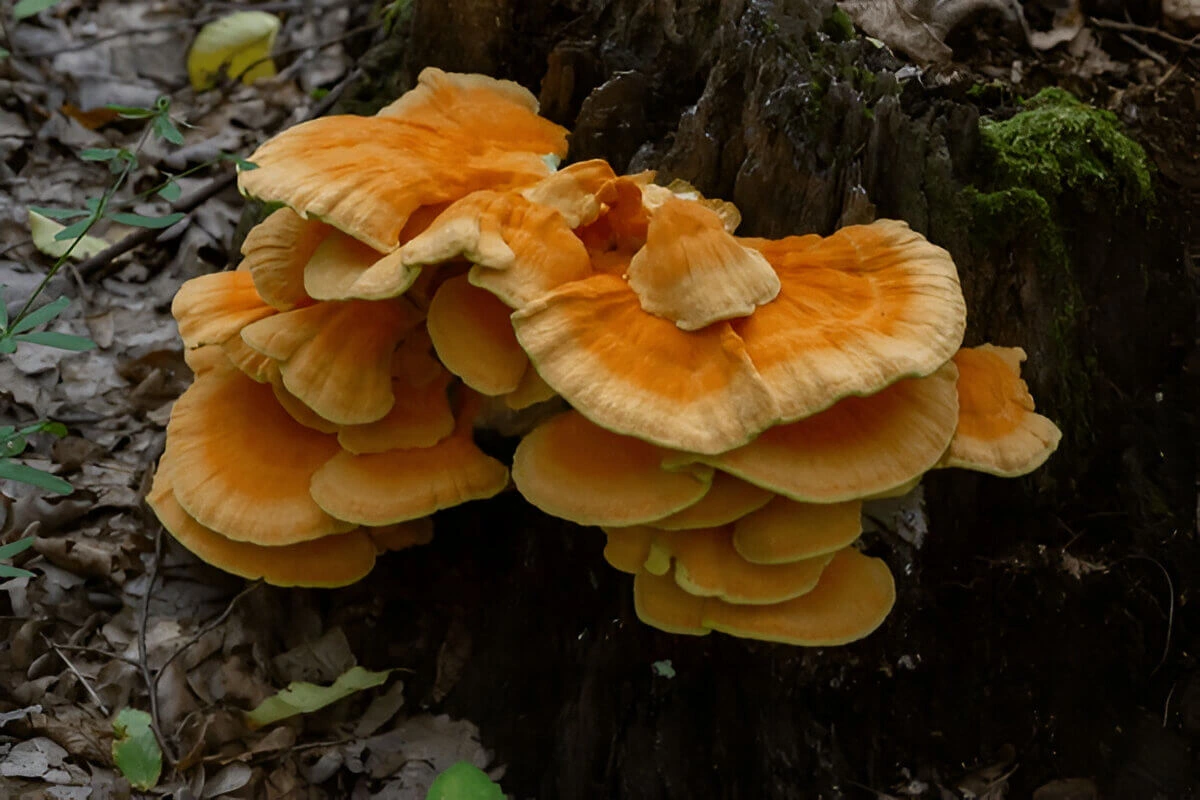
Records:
x=1057, y=156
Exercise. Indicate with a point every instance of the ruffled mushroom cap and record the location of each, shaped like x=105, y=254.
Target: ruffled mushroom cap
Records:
x=728, y=499
x=783, y=530
x=211, y=309
x=421, y=417
x=857, y=311
x=577, y=471
x=400, y=485
x=326, y=562
x=336, y=356
x=998, y=431
x=520, y=249
x=451, y=135
x=473, y=336
x=275, y=252
x=260, y=368
x=628, y=549
x=653, y=197
x=578, y=192
x=850, y=601
x=706, y=565
x=694, y=273
x=298, y=410
x=241, y=466
x=530, y=391
x=861, y=446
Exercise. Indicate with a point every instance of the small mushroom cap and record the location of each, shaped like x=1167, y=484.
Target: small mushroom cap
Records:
x=401, y=536
x=474, y=338
x=629, y=548
x=783, y=530
x=520, y=249
x=707, y=565
x=640, y=375
x=694, y=273
x=577, y=192
x=421, y=417
x=577, y=471
x=366, y=176
x=401, y=485
x=621, y=227
x=326, y=562
x=728, y=500
x=653, y=196
x=859, y=447
x=260, y=368
x=853, y=597
x=998, y=431
x=856, y=312
x=336, y=356
x=275, y=252
x=211, y=309
x=530, y=391
x=240, y=465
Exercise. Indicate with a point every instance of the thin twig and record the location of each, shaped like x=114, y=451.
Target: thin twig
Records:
x=1170, y=608
x=1131, y=27
x=151, y=683
x=96, y=651
x=200, y=634
x=86, y=685
x=1145, y=50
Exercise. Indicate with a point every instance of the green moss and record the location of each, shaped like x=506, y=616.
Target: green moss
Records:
x=839, y=26
x=1057, y=153
x=1058, y=144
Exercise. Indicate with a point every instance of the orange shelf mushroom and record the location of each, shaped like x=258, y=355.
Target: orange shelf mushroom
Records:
x=998, y=431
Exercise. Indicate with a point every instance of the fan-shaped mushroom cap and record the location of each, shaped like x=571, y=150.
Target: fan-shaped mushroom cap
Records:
x=298, y=410
x=421, y=417
x=728, y=499
x=577, y=471
x=577, y=192
x=262, y=369
x=336, y=356
x=520, y=249
x=400, y=485
x=628, y=548
x=694, y=273
x=326, y=562
x=240, y=465
x=850, y=601
x=640, y=375
x=707, y=565
x=859, y=447
x=473, y=336
x=857, y=311
x=210, y=309
x=275, y=252
x=998, y=431
x=653, y=197
x=451, y=135
x=784, y=530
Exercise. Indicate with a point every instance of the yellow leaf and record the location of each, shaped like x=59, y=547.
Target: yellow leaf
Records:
x=236, y=45
x=43, y=230
x=304, y=698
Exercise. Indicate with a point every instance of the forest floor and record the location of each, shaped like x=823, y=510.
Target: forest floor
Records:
x=114, y=605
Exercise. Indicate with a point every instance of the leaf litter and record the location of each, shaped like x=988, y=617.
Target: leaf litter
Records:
x=77, y=655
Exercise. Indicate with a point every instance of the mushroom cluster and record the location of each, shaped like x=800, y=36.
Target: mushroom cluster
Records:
x=724, y=405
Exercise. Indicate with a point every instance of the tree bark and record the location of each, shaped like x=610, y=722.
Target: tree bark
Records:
x=996, y=654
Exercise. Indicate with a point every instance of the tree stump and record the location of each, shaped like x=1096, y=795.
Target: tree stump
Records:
x=1030, y=630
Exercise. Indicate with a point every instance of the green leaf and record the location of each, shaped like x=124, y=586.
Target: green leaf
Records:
x=61, y=341
x=303, y=698
x=4, y=53
x=3, y=308
x=52, y=428
x=24, y=473
x=73, y=232
x=165, y=129
x=54, y=240
x=7, y=571
x=170, y=191
x=41, y=315
x=59, y=213
x=464, y=781
x=13, y=445
x=135, y=750
x=27, y=8
x=142, y=221
x=7, y=345
x=242, y=164
x=99, y=154
x=11, y=549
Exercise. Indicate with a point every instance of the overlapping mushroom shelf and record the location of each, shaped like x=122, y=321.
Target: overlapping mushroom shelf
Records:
x=720, y=406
